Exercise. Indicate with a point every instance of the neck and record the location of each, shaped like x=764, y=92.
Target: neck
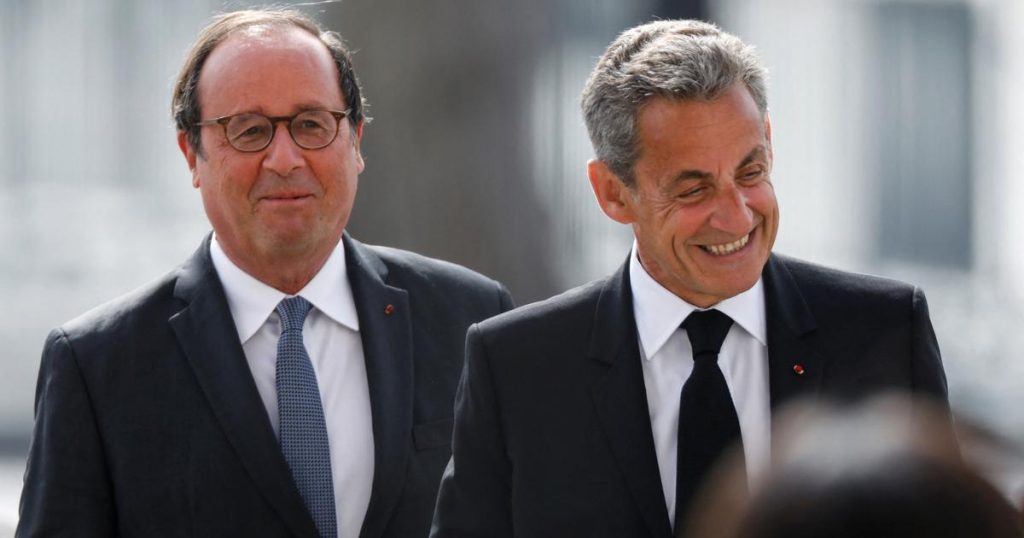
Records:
x=290, y=279
x=697, y=299
x=288, y=273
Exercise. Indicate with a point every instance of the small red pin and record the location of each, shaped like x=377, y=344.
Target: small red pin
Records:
x=798, y=369
x=389, y=309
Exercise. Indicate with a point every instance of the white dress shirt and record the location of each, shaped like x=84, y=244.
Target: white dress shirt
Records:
x=667, y=361
x=331, y=336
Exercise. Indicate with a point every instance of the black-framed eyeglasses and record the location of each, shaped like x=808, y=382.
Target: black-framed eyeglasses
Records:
x=310, y=129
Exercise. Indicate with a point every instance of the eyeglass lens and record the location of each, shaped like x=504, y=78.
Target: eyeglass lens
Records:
x=312, y=129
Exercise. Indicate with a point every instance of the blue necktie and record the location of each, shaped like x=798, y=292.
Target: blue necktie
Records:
x=302, y=427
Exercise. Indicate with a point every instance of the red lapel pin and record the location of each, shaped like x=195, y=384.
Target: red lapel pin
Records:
x=389, y=309
x=798, y=369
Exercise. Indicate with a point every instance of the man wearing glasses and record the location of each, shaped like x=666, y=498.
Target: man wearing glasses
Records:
x=286, y=380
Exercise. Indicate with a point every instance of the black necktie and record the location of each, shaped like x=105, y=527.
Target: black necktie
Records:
x=707, y=417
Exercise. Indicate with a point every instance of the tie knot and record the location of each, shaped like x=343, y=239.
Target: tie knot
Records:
x=706, y=330
x=293, y=311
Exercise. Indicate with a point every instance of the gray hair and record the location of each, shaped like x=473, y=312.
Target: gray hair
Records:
x=677, y=59
x=185, y=106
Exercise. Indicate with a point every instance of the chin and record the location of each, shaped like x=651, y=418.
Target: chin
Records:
x=736, y=288
x=285, y=244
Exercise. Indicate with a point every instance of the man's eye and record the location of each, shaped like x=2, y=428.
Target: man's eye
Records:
x=252, y=131
x=310, y=125
x=692, y=193
x=752, y=175
x=313, y=123
x=247, y=131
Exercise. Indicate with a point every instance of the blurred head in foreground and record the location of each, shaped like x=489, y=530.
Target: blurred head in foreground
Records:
x=885, y=468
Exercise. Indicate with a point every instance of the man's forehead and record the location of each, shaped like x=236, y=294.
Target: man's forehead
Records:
x=759, y=154
x=698, y=127
x=735, y=101
x=260, y=30
x=268, y=38
x=269, y=66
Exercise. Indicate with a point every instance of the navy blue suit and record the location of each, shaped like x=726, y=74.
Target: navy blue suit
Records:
x=148, y=421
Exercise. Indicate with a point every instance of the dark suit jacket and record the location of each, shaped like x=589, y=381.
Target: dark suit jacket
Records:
x=552, y=431
x=148, y=422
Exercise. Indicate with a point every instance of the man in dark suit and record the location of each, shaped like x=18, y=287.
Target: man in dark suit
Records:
x=602, y=411
x=286, y=380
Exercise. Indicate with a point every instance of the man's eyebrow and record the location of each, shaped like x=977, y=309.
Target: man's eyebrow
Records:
x=304, y=107
x=754, y=154
x=703, y=175
x=687, y=175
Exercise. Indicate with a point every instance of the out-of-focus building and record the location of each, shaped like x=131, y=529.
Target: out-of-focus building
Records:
x=897, y=144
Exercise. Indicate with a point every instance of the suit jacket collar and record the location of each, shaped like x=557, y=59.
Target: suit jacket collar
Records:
x=206, y=333
x=252, y=301
x=620, y=397
x=795, y=367
x=620, y=400
x=205, y=330
x=659, y=312
x=386, y=330
x=790, y=326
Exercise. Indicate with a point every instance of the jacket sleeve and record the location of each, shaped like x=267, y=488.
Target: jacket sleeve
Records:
x=474, y=499
x=505, y=302
x=67, y=490
x=928, y=377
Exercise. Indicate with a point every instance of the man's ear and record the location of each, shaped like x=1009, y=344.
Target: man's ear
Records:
x=190, y=156
x=614, y=197
x=357, y=140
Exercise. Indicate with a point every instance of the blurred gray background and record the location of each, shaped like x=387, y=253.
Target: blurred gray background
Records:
x=895, y=122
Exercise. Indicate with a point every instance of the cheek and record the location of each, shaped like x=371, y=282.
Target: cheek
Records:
x=684, y=224
x=334, y=184
x=672, y=235
x=762, y=200
x=230, y=191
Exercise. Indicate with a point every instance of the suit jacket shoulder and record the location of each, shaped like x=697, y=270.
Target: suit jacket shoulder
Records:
x=856, y=334
x=133, y=314
x=415, y=271
x=551, y=317
x=846, y=303
x=815, y=278
x=440, y=293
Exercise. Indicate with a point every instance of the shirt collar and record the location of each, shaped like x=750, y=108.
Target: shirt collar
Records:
x=251, y=301
x=659, y=312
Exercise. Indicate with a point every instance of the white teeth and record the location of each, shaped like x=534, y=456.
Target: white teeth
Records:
x=727, y=248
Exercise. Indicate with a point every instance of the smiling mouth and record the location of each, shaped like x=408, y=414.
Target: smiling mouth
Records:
x=726, y=248
x=286, y=198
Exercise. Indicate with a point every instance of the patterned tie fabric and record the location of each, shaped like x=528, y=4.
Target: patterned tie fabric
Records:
x=302, y=427
x=707, y=417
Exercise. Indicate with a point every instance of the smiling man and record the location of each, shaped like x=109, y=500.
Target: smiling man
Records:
x=602, y=411
x=286, y=380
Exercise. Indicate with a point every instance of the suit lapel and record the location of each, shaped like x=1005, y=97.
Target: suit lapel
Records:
x=205, y=331
x=385, y=326
x=620, y=400
x=794, y=366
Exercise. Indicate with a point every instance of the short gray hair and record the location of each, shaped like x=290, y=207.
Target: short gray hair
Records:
x=185, y=105
x=677, y=59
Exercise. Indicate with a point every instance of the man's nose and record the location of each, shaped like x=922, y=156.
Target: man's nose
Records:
x=283, y=154
x=732, y=214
